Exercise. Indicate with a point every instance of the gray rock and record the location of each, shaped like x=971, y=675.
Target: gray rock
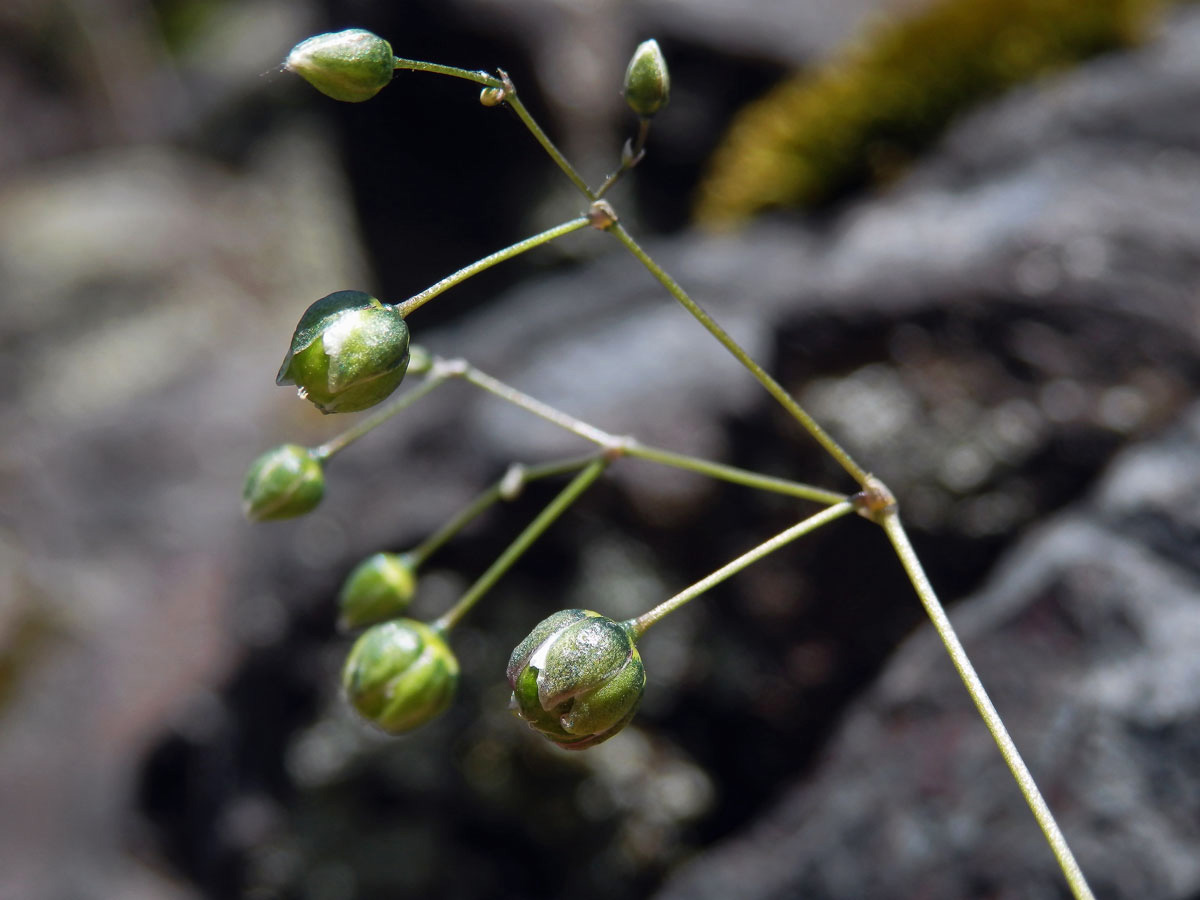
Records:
x=1086, y=636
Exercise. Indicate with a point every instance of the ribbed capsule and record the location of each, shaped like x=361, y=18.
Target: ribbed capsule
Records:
x=577, y=678
x=348, y=352
x=399, y=675
x=284, y=482
x=379, y=588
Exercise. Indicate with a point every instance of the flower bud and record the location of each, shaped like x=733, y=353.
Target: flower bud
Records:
x=285, y=482
x=349, y=352
x=647, y=82
x=399, y=675
x=352, y=65
x=379, y=588
x=577, y=678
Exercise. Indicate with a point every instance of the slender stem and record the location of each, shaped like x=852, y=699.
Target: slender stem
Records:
x=350, y=435
x=506, y=488
x=518, y=398
x=418, y=66
x=636, y=150
x=773, y=387
x=639, y=626
x=524, y=540
x=511, y=98
x=631, y=447
x=417, y=301
x=732, y=474
x=890, y=521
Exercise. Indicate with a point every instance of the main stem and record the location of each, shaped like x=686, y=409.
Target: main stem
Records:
x=511, y=98
x=890, y=520
x=513, y=552
x=773, y=387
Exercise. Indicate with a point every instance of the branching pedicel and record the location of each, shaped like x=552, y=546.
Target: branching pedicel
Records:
x=578, y=677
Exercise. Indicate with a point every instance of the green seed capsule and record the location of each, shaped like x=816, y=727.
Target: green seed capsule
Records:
x=577, y=678
x=379, y=588
x=285, y=482
x=352, y=65
x=647, y=81
x=348, y=353
x=400, y=675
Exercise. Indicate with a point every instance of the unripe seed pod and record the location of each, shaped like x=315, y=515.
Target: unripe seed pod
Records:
x=647, y=81
x=284, y=482
x=399, y=675
x=379, y=588
x=352, y=65
x=577, y=678
x=348, y=353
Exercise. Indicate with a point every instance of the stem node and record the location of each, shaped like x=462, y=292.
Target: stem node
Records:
x=875, y=500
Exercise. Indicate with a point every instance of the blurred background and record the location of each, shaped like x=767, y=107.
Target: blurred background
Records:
x=965, y=233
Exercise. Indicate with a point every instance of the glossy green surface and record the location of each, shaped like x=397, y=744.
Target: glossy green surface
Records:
x=284, y=482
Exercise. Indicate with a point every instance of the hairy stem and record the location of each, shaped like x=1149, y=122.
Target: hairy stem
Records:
x=635, y=151
x=511, y=98
x=630, y=447
x=373, y=421
x=732, y=474
x=506, y=488
x=417, y=65
x=773, y=387
x=642, y=623
x=890, y=520
x=418, y=300
x=523, y=541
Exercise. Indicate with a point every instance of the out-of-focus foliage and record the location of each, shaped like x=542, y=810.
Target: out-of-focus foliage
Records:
x=863, y=114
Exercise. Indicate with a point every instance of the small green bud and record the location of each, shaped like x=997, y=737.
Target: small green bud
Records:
x=399, y=675
x=647, y=82
x=352, y=65
x=379, y=588
x=349, y=352
x=285, y=482
x=577, y=678
x=420, y=360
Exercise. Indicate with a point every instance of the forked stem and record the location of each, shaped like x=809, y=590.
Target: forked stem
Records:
x=523, y=541
x=890, y=520
x=773, y=387
x=506, y=488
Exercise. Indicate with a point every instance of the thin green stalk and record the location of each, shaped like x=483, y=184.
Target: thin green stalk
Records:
x=418, y=66
x=518, y=398
x=524, y=540
x=630, y=447
x=418, y=300
x=511, y=98
x=350, y=435
x=636, y=150
x=732, y=474
x=505, y=488
x=890, y=520
x=774, y=388
x=642, y=623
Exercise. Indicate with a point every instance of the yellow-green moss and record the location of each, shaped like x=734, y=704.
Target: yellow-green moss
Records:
x=865, y=113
